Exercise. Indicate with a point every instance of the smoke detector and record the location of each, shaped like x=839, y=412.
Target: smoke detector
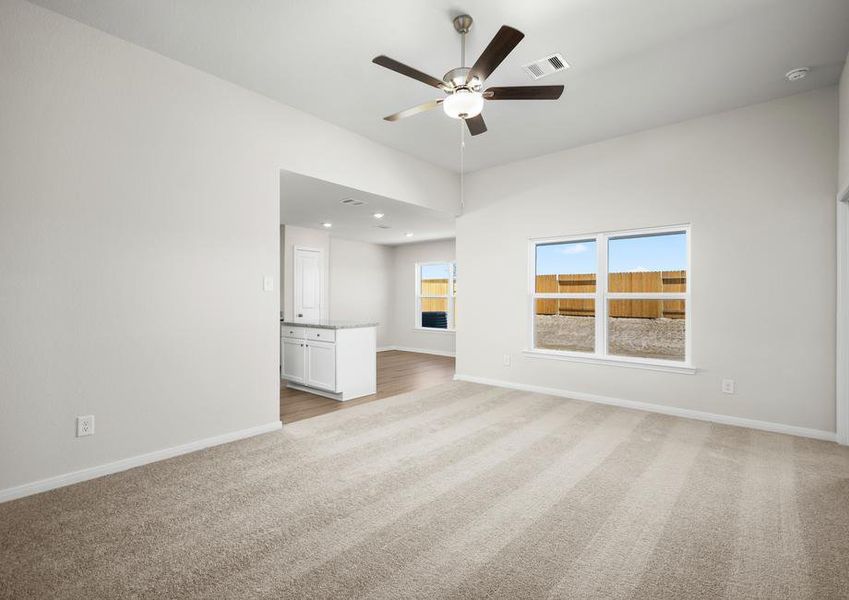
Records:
x=797, y=74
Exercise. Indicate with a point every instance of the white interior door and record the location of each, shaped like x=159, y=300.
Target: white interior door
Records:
x=308, y=285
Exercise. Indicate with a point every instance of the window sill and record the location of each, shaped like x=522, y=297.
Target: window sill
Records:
x=648, y=364
x=433, y=329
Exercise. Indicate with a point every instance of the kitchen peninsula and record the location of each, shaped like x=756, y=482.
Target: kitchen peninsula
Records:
x=334, y=359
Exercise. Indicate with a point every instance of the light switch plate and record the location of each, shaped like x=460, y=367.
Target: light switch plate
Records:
x=268, y=283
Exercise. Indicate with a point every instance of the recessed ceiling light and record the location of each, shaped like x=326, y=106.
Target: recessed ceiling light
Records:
x=408, y=234
x=326, y=224
x=378, y=215
x=797, y=74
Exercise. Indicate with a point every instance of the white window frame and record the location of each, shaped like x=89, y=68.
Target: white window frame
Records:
x=601, y=296
x=452, y=273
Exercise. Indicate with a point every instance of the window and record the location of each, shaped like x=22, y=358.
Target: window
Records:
x=620, y=297
x=436, y=295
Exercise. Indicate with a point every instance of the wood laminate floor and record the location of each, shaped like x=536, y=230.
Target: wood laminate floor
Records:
x=397, y=373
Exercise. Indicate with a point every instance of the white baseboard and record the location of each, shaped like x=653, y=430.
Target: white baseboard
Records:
x=687, y=413
x=58, y=481
x=417, y=350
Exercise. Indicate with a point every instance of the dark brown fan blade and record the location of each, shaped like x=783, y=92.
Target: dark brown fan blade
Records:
x=501, y=45
x=394, y=65
x=476, y=125
x=414, y=110
x=524, y=92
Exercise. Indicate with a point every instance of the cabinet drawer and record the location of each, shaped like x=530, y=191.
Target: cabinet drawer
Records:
x=292, y=332
x=321, y=335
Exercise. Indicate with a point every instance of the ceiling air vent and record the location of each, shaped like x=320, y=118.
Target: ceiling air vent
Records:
x=546, y=66
x=383, y=226
x=351, y=202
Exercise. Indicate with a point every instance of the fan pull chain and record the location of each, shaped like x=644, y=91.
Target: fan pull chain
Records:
x=462, y=169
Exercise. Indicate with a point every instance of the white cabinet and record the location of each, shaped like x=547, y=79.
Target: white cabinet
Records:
x=308, y=361
x=337, y=363
x=294, y=360
x=321, y=365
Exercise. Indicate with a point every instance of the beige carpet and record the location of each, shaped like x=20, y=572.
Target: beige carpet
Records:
x=459, y=491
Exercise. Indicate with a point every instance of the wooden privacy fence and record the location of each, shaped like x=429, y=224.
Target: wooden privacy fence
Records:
x=639, y=281
x=434, y=287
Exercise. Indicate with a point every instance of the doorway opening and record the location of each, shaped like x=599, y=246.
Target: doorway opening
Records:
x=350, y=314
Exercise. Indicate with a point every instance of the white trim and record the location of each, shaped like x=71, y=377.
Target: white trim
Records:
x=434, y=330
x=647, y=296
x=58, y=481
x=591, y=237
x=841, y=389
x=564, y=295
x=449, y=297
x=602, y=278
x=385, y=348
x=686, y=413
x=418, y=350
x=314, y=390
x=616, y=361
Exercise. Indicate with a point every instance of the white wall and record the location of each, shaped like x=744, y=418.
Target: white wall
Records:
x=404, y=333
x=139, y=212
x=758, y=186
x=371, y=282
x=304, y=238
x=843, y=163
x=842, y=358
x=282, y=270
x=361, y=284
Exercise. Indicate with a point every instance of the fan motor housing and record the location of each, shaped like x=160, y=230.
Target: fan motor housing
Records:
x=456, y=78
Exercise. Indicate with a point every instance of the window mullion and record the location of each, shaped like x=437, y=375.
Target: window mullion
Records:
x=451, y=295
x=646, y=295
x=601, y=296
x=564, y=296
x=418, y=283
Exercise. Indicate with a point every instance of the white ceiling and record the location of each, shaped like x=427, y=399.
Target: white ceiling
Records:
x=309, y=202
x=635, y=64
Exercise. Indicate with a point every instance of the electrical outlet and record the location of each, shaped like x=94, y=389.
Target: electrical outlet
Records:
x=506, y=360
x=85, y=425
x=268, y=283
x=727, y=386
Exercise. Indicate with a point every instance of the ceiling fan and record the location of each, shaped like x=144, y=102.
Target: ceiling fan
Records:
x=463, y=85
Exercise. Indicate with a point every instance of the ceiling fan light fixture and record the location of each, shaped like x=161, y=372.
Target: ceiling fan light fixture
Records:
x=463, y=104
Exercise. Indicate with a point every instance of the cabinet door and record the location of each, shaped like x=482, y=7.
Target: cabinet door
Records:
x=321, y=368
x=294, y=367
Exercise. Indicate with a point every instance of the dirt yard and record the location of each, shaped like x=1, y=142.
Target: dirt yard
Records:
x=649, y=338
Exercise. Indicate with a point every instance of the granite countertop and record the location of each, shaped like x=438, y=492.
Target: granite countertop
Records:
x=330, y=324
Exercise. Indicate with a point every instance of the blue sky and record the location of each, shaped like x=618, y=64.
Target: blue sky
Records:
x=647, y=253
x=439, y=271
